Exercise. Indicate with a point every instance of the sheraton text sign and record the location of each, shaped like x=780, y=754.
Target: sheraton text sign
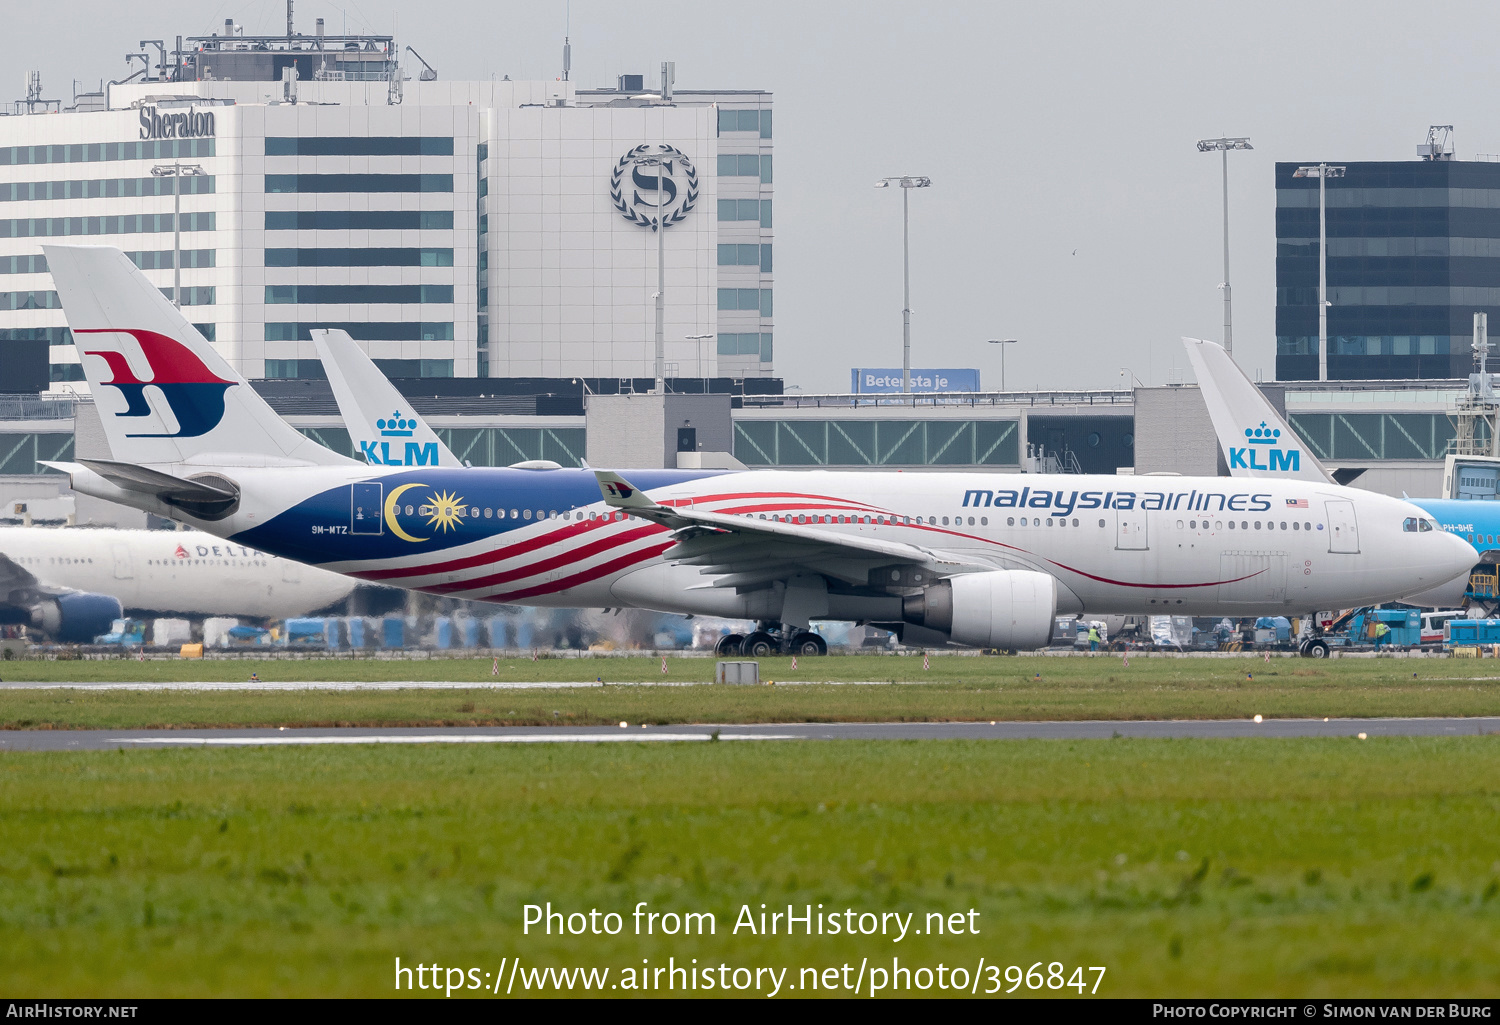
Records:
x=189, y=124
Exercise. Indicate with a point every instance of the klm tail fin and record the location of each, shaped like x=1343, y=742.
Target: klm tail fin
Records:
x=164, y=395
x=1255, y=439
x=380, y=420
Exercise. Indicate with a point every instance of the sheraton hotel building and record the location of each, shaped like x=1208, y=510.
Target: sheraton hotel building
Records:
x=460, y=229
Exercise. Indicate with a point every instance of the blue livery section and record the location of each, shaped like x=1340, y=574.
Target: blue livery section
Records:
x=432, y=510
x=1476, y=522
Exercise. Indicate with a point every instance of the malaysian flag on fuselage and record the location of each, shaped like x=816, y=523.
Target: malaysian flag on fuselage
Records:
x=1296, y=503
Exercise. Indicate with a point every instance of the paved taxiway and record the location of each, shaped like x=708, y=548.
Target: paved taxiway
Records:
x=97, y=740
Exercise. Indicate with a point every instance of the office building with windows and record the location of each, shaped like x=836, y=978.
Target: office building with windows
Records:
x=459, y=229
x=1413, y=254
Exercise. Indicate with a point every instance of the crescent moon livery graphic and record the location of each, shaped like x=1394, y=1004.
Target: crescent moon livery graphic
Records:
x=390, y=512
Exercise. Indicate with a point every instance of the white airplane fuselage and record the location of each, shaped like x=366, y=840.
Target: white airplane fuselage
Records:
x=1115, y=544
x=186, y=572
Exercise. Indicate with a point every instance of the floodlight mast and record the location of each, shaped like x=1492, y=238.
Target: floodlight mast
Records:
x=907, y=182
x=1222, y=147
x=176, y=170
x=1322, y=172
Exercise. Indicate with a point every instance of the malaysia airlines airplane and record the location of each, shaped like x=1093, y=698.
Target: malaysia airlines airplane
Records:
x=973, y=558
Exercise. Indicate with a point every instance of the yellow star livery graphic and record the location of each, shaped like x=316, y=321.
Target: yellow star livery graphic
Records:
x=444, y=511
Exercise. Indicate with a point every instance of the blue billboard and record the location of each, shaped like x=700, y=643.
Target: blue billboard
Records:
x=868, y=381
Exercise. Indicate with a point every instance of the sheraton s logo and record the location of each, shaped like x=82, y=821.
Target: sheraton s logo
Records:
x=192, y=392
x=1264, y=441
x=378, y=453
x=654, y=186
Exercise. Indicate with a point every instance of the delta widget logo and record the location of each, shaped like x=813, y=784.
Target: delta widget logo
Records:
x=192, y=391
x=1264, y=440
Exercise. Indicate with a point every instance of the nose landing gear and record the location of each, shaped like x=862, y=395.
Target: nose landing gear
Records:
x=1313, y=647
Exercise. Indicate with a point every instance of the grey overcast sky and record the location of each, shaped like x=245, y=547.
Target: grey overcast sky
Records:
x=1069, y=207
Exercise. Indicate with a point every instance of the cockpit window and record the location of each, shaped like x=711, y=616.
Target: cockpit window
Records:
x=1409, y=525
x=1426, y=526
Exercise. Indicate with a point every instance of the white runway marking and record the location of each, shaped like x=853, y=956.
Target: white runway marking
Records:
x=460, y=738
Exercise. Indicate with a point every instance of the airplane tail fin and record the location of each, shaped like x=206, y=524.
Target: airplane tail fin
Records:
x=1256, y=440
x=164, y=395
x=380, y=420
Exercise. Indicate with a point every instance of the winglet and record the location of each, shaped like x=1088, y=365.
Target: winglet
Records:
x=620, y=493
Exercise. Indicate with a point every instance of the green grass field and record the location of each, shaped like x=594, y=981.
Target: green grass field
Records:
x=1295, y=868
x=955, y=688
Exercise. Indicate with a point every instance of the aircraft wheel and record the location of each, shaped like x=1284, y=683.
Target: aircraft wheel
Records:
x=759, y=645
x=809, y=643
x=729, y=645
x=1317, y=649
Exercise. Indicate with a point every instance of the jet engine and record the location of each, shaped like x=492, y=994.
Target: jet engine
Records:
x=1002, y=609
x=75, y=618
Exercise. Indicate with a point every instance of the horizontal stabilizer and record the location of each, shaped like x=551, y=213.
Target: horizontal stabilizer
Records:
x=146, y=481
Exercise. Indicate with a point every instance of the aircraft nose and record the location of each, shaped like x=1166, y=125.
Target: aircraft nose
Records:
x=1458, y=556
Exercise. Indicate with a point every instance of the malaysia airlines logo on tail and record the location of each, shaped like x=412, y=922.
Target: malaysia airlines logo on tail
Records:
x=618, y=488
x=191, y=391
x=1267, y=440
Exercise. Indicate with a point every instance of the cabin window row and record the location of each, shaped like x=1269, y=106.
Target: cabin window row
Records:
x=1244, y=525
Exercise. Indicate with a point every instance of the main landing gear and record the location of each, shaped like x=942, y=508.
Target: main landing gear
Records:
x=771, y=639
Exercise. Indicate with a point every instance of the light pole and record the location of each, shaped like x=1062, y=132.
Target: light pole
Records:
x=1222, y=147
x=1322, y=172
x=1002, y=342
x=663, y=166
x=699, y=347
x=907, y=183
x=175, y=171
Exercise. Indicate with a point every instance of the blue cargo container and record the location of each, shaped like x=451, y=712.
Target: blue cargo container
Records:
x=393, y=633
x=1464, y=632
x=469, y=631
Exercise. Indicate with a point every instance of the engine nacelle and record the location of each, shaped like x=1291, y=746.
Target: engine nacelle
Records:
x=1002, y=609
x=76, y=618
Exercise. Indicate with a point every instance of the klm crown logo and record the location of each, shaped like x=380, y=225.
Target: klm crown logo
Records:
x=399, y=427
x=1264, y=439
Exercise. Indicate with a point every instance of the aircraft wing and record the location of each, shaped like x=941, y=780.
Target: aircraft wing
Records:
x=1256, y=440
x=743, y=552
x=380, y=419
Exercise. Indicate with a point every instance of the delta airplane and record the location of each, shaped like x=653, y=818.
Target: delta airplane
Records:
x=973, y=558
x=1258, y=444
x=70, y=583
